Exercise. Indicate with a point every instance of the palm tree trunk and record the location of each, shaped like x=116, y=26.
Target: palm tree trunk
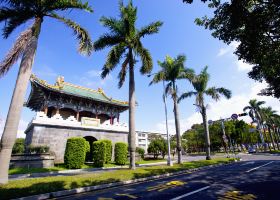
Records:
x=131, y=135
x=271, y=138
x=13, y=118
x=207, y=136
x=177, y=125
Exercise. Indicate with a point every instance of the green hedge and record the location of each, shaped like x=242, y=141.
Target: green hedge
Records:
x=99, y=153
x=108, y=152
x=75, y=153
x=18, y=146
x=140, y=151
x=120, y=153
x=37, y=149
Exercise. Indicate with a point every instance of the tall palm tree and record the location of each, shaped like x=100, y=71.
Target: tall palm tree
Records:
x=254, y=111
x=268, y=116
x=125, y=40
x=200, y=83
x=15, y=13
x=171, y=71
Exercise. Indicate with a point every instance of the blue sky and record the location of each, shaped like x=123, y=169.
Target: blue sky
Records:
x=57, y=55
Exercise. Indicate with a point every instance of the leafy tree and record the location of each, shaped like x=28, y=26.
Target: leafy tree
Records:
x=155, y=147
x=173, y=69
x=15, y=13
x=200, y=83
x=254, y=111
x=255, y=26
x=18, y=146
x=125, y=40
x=268, y=115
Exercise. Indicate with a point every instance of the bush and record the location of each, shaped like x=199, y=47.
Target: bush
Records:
x=120, y=153
x=37, y=149
x=18, y=146
x=108, y=150
x=158, y=146
x=140, y=151
x=99, y=153
x=75, y=153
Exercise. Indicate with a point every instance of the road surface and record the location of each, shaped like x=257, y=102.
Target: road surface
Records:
x=258, y=177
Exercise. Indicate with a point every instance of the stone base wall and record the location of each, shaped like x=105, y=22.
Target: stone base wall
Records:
x=32, y=161
x=56, y=136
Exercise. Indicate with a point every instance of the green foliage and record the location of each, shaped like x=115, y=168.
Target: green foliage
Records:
x=75, y=153
x=37, y=149
x=28, y=187
x=158, y=147
x=121, y=153
x=140, y=151
x=18, y=146
x=254, y=25
x=125, y=42
x=99, y=153
x=109, y=149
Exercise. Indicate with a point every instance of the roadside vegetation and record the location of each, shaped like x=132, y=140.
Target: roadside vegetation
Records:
x=27, y=187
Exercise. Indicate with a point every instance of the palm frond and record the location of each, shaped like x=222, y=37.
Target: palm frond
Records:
x=150, y=29
x=50, y=5
x=213, y=93
x=247, y=108
x=123, y=72
x=113, y=58
x=115, y=25
x=168, y=89
x=16, y=51
x=85, y=43
x=106, y=40
x=146, y=58
x=160, y=76
x=12, y=23
x=186, y=95
x=225, y=92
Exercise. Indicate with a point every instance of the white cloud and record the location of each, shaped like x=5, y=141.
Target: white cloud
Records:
x=228, y=49
x=45, y=71
x=224, y=108
x=242, y=66
x=93, y=78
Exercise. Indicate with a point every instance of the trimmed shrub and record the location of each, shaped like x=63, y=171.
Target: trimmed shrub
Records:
x=18, y=146
x=140, y=151
x=120, y=153
x=108, y=151
x=99, y=153
x=37, y=149
x=75, y=153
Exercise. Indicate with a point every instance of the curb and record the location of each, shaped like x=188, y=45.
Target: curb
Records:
x=109, y=185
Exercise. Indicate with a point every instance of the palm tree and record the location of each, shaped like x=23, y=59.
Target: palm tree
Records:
x=200, y=83
x=171, y=71
x=125, y=40
x=254, y=111
x=268, y=116
x=15, y=13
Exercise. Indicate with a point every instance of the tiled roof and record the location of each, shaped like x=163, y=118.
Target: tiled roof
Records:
x=75, y=90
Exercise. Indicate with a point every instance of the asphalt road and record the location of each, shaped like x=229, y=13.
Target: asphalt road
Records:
x=258, y=177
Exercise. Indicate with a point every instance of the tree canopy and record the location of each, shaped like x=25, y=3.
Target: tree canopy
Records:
x=255, y=26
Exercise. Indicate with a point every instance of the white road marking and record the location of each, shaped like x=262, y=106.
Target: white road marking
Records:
x=190, y=193
x=248, y=163
x=259, y=166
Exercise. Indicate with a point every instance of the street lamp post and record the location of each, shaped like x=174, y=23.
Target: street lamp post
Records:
x=169, y=161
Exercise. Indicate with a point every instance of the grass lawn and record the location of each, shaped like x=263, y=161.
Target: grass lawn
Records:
x=27, y=187
x=147, y=161
x=59, y=167
x=275, y=152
